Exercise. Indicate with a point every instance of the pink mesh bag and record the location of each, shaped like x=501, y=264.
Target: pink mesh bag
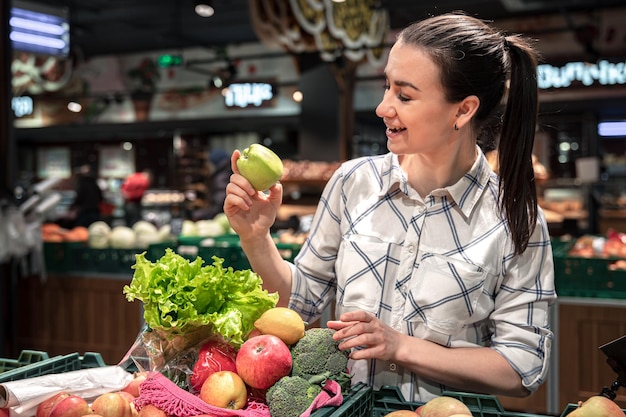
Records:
x=175, y=401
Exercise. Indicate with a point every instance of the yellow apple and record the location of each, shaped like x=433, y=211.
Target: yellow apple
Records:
x=224, y=389
x=444, y=407
x=597, y=406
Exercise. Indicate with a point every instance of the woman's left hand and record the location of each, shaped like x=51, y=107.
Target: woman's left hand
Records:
x=366, y=335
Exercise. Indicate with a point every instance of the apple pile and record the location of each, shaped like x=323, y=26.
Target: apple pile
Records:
x=110, y=404
x=229, y=378
x=222, y=376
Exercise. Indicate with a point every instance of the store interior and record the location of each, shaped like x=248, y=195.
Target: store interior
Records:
x=119, y=52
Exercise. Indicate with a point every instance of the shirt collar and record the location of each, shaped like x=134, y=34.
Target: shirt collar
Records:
x=465, y=193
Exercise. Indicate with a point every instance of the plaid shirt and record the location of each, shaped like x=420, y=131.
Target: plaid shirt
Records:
x=441, y=268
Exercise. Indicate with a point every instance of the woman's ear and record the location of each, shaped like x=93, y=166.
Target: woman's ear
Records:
x=466, y=110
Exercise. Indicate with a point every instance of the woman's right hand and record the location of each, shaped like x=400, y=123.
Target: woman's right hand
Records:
x=251, y=213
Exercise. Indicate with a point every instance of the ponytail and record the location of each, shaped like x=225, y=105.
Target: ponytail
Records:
x=517, y=182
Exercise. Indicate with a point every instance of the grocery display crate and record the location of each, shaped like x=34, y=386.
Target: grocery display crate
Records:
x=357, y=402
x=40, y=364
x=54, y=256
x=389, y=399
x=227, y=247
x=26, y=357
x=577, y=276
x=82, y=258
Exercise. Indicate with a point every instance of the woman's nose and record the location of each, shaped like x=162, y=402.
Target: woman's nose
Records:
x=384, y=110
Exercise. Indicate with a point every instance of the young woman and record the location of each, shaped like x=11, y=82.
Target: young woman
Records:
x=440, y=271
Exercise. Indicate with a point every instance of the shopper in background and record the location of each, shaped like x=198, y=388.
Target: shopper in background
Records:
x=133, y=189
x=85, y=208
x=440, y=271
x=218, y=179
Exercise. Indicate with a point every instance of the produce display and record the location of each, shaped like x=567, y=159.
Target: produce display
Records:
x=217, y=335
x=613, y=245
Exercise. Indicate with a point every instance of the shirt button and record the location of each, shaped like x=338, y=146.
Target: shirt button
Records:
x=411, y=249
x=392, y=367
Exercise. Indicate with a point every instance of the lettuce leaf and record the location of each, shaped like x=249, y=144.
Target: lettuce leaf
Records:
x=180, y=295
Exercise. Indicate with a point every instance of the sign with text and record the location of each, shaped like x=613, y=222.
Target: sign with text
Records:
x=251, y=94
x=582, y=74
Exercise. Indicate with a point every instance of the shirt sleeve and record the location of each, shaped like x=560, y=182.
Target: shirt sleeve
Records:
x=313, y=272
x=521, y=315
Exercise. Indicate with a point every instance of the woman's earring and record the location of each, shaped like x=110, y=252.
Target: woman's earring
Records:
x=456, y=127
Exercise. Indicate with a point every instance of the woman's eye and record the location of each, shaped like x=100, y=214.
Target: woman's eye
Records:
x=403, y=98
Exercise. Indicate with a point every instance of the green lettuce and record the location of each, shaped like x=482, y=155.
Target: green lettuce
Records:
x=181, y=296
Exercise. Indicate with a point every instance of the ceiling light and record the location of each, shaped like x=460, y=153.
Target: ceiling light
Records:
x=612, y=129
x=204, y=9
x=74, y=106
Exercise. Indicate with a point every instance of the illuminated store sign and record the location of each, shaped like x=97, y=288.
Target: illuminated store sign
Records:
x=22, y=106
x=248, y=94
x=39, y=28
x=602, y=73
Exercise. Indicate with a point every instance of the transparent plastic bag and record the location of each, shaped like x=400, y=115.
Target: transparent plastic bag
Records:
x=172, y=356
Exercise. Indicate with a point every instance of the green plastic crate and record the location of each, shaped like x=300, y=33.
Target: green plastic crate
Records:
x=389, y=399
x=54, y=365
x=357, y=402
x=54, y=257
x=576, y=276
x=227, y=247
x=82, y=258
x=26, y=357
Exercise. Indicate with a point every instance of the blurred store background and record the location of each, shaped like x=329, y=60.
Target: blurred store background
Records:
x=109, y=88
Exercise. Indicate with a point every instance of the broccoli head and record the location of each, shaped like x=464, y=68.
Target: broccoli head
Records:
x=290, y=396
x=317, y=354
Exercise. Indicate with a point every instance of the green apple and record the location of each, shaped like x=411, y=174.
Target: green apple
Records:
x=260, y=165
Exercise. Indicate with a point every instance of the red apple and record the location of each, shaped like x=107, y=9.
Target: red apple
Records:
x=44, y=407
x=224, y=389
x=71, y=406
x=215, y=355
x=133, y=386
x=113, y=404
x=597, y=406
x=150, y=410
x=263, y=360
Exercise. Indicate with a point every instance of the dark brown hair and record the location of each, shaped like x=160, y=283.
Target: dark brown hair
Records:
x=476, y=59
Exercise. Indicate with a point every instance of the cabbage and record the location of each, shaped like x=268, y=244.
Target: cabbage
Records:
x=165, y=233
x=122, y=237
x=224, y=222
x=209, y=228
x=189, y=228
x=99, y=233
x=145, y=234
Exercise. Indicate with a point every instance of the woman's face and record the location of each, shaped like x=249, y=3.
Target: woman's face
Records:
x=414, y=109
